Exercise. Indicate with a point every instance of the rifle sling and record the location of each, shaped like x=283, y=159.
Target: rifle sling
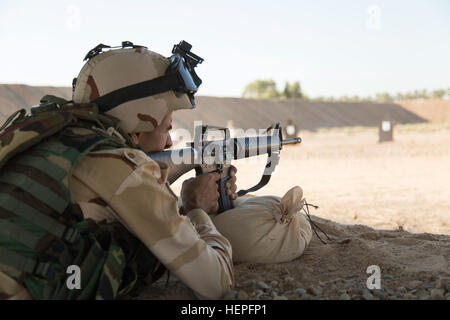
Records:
x=264, y=180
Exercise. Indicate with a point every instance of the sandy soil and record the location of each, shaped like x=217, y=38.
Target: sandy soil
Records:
x=382, y=204
x=433, y=110
x=354, y=179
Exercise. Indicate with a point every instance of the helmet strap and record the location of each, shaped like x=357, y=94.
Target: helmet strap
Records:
x=138, y=91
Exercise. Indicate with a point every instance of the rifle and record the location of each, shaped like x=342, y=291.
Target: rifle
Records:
x=207, y=156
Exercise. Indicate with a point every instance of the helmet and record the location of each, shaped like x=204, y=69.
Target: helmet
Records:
x=136, y=85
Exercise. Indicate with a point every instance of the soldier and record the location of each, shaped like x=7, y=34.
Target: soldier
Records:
x=125, y=185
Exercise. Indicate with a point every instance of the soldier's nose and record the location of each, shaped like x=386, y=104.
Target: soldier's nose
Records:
x=169, y=142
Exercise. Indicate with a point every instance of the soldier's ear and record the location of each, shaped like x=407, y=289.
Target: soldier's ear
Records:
x=135, y=138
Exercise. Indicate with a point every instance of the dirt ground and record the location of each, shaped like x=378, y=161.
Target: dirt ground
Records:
x=384, y=204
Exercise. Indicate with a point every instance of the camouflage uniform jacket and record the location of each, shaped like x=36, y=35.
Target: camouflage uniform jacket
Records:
x=128, y=186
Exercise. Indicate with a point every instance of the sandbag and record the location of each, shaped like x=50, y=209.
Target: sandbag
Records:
x=266, y=229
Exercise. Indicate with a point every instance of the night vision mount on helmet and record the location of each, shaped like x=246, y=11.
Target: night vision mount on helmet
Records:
x=180, y=77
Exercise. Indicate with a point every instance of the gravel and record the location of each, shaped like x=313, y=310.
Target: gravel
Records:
x=349, y=287
x=379, y=293
x=345, y=296
x=428, y=286
x=262, y=285
x=415, y=284
x=402, y=290
x=442, y=283
x=317, y=291
x=231, y=295
x=301, y=291
x=367, y=295
x=273, y=283
x=437, y=294
x=242, y=295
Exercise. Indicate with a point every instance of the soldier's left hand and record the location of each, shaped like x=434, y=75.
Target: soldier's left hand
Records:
x=230, y=185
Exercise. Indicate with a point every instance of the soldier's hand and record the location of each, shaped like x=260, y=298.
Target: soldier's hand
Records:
x=201, y=192
x=230, y=185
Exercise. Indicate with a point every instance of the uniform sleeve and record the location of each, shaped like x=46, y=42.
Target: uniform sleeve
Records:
x=10, y=289
x=189, y=246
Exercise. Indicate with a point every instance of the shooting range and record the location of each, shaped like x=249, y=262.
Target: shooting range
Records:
x=364, y=86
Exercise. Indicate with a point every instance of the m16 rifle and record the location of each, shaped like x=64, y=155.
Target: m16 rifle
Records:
x=207, y=156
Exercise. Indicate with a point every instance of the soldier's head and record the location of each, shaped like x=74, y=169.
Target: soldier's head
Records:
x=140, y=88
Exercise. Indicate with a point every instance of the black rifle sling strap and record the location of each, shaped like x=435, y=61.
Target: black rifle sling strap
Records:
x=265, y=178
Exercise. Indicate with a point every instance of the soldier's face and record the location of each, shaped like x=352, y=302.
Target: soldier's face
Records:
x=157, y=140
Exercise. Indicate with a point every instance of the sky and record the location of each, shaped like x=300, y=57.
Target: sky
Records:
x=333, y=48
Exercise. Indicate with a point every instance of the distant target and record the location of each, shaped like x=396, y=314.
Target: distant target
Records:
x=385, y=130
x=290, y=130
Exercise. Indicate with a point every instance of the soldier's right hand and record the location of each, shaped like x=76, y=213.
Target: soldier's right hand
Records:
x=201, y=192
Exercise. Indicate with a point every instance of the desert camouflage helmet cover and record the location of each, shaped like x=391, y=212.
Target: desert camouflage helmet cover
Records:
x=115, y=69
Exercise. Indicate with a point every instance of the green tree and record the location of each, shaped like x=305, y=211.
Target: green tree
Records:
x=344, y=99
x=399, y=96
x=424, y=94
x=383, y=97
x=261, y=89
x=438, y=94
x=287, y=91
x=292, y=91
x=416, y=94
x=409, y=96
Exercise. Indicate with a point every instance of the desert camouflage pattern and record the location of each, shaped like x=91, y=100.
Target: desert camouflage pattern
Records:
x=139, y=197
x=42, y=230
x=119, y=68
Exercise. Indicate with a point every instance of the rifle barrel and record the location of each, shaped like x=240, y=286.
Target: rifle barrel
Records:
x=180, y=161
x=291, y=141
